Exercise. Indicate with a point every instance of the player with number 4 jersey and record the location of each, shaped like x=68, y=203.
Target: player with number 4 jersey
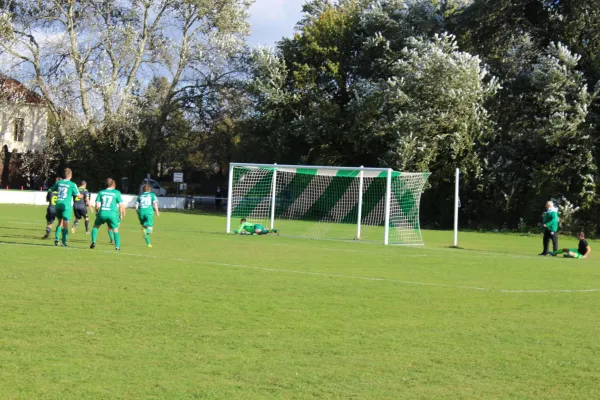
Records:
x=109, y=210
x=146, y=205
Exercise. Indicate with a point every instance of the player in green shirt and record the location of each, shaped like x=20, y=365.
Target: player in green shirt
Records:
x=146, y=205
x=110, y=210
x=247, y=228
x=64, y=205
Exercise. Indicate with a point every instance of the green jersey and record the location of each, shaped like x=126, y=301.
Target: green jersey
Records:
x=145, y=202
x=66, y=191
x=249, y=228
x=551, y=220
x=109, y=200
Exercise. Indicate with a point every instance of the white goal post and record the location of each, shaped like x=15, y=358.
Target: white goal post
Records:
x=318, y=202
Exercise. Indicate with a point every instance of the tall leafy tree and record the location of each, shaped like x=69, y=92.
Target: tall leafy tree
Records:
x=542, y=147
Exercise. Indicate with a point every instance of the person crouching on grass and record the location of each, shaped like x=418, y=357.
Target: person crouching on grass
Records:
x=582, y=251
x=550, y=221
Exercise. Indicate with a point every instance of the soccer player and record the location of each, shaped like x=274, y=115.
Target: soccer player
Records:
x=81, y=203
x=51, y=198
x=110, y=210
x=247, y=228
x=582, y=251
x=146, y=205
x=550, y=221
x=64, y=206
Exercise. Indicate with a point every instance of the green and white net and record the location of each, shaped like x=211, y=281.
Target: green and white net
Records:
x=324, y=203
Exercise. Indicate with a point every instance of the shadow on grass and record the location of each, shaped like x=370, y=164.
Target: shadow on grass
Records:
x=486, y=251
x=14, y=228
x=196, y=211
x=39, y=238
x=27, y=244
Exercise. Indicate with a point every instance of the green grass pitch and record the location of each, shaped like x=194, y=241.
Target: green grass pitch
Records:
x=204, y=315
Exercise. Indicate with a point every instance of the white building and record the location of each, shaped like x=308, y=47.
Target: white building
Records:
x=23, y=118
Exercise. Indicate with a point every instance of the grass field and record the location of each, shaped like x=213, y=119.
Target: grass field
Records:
x=203, y=315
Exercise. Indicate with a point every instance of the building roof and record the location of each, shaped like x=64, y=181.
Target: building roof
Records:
x=14, y=91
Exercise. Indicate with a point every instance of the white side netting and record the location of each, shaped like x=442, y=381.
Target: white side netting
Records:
x=324, y=203
x=405, y=227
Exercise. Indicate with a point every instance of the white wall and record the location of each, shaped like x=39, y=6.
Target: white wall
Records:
x=39, y=199
x=35, y=119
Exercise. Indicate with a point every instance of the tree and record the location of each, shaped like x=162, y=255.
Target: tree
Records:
x=543, y=146
x=92, y=59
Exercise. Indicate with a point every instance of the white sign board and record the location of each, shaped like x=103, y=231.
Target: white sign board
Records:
x=178, y=177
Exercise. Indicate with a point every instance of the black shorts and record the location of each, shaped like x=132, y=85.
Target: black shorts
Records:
x=80, y=211
x=50, y=215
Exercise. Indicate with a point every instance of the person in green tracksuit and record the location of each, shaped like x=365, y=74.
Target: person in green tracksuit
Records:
x=110, y=210
x=146, y=205
x=247, y=228
x=550, y=222
x=64, y=205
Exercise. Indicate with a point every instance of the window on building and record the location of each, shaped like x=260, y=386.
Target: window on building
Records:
x=19, y=129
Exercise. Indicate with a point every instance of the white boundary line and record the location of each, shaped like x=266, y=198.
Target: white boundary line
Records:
x=321, y=274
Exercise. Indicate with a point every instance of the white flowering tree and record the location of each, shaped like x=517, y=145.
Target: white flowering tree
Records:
x=438, y=117
x=543, y=145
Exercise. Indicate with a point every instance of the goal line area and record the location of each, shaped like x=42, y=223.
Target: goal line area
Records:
x=336, y=203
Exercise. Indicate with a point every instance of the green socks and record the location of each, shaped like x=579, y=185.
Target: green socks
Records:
x=116, y=237
x=58, y=232
x=147, y=236
x=65, y=236
x=557, y=252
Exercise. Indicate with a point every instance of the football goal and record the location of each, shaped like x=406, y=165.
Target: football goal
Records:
x=338, y=203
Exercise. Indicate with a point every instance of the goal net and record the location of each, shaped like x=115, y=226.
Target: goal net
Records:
x=338, y=203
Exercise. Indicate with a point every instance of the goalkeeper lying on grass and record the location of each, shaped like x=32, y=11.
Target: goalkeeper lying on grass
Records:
x=582, y=251
x=250, y=229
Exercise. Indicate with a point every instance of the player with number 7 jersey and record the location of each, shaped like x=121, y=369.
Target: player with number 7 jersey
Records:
x=109, y=210
x=64, y=205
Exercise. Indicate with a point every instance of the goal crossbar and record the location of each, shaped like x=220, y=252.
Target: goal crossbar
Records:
x=275, y=166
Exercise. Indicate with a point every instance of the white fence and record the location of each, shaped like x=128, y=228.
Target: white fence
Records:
x=39, y=199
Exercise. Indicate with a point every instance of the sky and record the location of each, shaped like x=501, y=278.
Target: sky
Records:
x=273, y=19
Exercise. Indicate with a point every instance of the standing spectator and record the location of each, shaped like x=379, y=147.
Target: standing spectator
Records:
x=550, y=221
x=218, y=198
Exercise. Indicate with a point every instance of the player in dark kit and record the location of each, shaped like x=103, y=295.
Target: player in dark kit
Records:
x=81, y=202
x=51, y=198
x=582, y=251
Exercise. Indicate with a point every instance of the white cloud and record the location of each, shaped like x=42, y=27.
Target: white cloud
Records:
x=273, y=19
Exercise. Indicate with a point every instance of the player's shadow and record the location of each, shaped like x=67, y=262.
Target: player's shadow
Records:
x=30, y=237
x=26, y=244
x=21, y=229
